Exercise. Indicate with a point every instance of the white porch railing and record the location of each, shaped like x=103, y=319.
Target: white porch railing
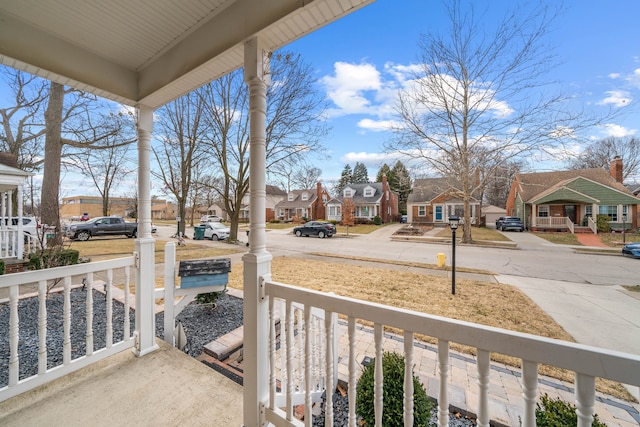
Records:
x=297, y=372
x=9, y=243
x=569, y=225
x=69, y=276
x=592, y=225
x=555, y=222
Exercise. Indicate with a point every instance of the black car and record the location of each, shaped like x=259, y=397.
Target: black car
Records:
x=315, y=228
x=511, y=223
x=500, y=220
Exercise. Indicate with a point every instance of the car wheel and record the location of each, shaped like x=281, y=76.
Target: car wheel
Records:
x=321, y=234
x=83, y=236
x=298, y=233
x=521, y=230
x=214, y=237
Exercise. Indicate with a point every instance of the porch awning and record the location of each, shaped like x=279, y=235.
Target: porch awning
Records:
x=564, y=195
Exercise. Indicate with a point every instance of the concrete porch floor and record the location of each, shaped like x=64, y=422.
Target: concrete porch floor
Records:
x=163, y=388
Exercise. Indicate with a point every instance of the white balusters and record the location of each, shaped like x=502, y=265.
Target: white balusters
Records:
x=14, y=335
x=127, y=319
x=289, y=363
x=483, y=388
x=89, y=314
x=585, y=399
x=329, y=369
x=109, y=303
x=443, y=371
x=66, y=341
x=529, y=392
x=42, y=327
x=308, y=417
x=378, y=378
x=352, y=372
x=408, y=379
x=272, y=354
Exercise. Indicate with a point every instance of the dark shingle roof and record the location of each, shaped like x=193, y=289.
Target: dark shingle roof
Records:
x=427, y=189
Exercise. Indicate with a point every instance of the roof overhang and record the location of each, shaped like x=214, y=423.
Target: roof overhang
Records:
x=142, y=52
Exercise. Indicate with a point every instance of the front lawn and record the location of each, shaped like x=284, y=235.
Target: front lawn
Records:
x=615, y=239
x=559, y=238
x=477, y=234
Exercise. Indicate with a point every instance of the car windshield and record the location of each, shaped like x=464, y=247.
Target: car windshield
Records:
x=216, y=225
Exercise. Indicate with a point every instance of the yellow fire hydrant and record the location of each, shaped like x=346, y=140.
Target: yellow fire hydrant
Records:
x=442, y=260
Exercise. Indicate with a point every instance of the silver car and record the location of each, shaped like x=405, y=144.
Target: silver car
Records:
x=216, y=231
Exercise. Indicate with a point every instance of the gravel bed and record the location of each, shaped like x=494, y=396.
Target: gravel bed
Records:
x=201, y=324
x=341, y=414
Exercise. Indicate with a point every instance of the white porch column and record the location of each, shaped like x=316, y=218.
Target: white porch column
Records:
x=20, y=251
x=257, y=262
x=145, y=243
x=534, y=214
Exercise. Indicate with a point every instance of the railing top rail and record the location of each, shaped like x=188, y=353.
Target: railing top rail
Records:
x=69, y=270
x=588, y=360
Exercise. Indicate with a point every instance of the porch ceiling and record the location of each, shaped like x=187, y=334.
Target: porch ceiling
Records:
x=149, y=51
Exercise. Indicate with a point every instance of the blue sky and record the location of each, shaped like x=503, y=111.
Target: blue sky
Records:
x=359, y=59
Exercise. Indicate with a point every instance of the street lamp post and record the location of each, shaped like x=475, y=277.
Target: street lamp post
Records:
x=624, y=229
x=454, y=220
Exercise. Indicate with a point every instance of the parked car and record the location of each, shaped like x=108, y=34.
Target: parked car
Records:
x=216, y=231
x=512, y=223
x=210, y=218
x=153, y=228
x=85, y=217
x=631, y=249
x=315, y=228
x=403, y=219
x=500, y=220
x=102, y=226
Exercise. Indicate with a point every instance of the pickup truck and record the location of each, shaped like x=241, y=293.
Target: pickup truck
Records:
x=102, y=226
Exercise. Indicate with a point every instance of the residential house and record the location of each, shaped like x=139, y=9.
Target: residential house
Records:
x=434, y=200
x=12, y=181
x=273, y=196
x=369, y=200
x=201, y=41
x=571, y=200
x=161, y=209
x=309, y=204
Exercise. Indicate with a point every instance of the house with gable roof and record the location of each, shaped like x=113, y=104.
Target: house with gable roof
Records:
x=309, y=204
x=369, y=200
x=434, y=200
x=572, y=200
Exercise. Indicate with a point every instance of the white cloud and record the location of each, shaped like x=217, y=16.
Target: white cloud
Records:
x=378, y=125
x=619, y=98
x=614, y=76
x=634, y=78
x=618, y=131
x=348, y=86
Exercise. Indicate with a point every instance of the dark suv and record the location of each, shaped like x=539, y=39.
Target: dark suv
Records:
x=511, y=223
x=315, y=228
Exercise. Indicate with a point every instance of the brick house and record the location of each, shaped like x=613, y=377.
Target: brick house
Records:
x=434, y=200
x=571, y=200
x=369, y=200
x=309, y=204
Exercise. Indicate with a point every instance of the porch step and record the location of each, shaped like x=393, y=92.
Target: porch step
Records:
x=582, y=230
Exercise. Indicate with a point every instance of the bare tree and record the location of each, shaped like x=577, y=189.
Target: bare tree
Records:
x=478, y=100
x=600, y=153
x=294, y=128
x=106, y=168
x=182, y=131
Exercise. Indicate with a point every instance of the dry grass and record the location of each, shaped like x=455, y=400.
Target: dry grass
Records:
x=488, y=304
x=615, y=239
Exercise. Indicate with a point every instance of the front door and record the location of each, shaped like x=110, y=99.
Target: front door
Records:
x=438, y=215
x=570, y=212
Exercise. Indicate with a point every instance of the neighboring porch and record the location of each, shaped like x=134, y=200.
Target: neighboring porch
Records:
x=579, y=218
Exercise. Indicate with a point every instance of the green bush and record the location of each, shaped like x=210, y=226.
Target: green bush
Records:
x=46, y=259
x=2, y=267
x=557, y=413
x=602, y=221
x=393, y=386
x=209, y=298
x=377, y=220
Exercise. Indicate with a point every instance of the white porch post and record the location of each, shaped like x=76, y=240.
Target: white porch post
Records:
x=534, y=215
x=257, y=262
x=20, y=252
x=145, y=243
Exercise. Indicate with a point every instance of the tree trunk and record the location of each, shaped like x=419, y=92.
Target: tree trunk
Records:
x=50, y=210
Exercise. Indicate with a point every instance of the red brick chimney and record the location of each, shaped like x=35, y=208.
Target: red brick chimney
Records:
x=616, y=169
x=8, y=159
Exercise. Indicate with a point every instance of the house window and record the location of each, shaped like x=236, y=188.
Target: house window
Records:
x=588, y=211
x=334, y=210
x=624, y=212
x=368, y=192
x=422, y=211
x=543, y=211
x=305, y=196
x=348, y=192
x=609, y=210
x=290, y=197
